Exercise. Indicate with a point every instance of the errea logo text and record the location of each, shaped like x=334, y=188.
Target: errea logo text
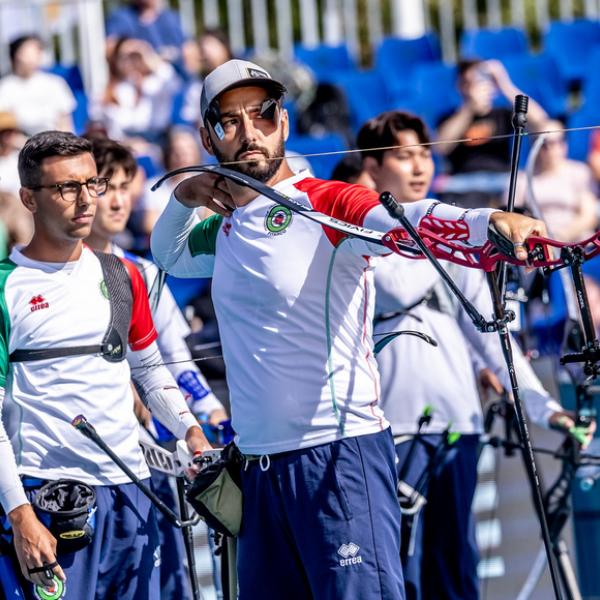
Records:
x=38, y=302
x=349, y=552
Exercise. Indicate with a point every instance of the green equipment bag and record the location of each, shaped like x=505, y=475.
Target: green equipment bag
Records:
x=216, y=492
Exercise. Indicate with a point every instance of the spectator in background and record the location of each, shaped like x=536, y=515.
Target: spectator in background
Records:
x=138, y=100
x=350, y=169
x=182, y=148
x=148, y=20
x=438, y=551
x=38, y=100
x=593, y=157
x=563, y=189
x=479, y=167
x=11, y=141
x=16, y=223
x=214, y=50
x=211, y=50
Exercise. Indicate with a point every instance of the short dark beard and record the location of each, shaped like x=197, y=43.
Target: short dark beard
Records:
x=252, y=168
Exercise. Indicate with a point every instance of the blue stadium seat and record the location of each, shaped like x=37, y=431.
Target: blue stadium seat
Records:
x=434, y=90
x=493, y=43
x=396, y=58
x=185, y=291
x=366, y=94
x=149, y=165
x=322, y=166
x=177, y=107
x=70, y=73
x=591, y=268
x=80, y=115
x=292, y=115
x=538, y=76
x=571, y=45
x=324, y=60
x=591, y=83
x=579, y=141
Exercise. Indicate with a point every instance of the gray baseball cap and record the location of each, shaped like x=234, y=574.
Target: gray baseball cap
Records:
x=235, y=73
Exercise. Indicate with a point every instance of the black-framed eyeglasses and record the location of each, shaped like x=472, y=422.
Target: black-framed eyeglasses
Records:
x=70, y=191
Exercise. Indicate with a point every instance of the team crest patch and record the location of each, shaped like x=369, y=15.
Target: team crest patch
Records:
x=104, y=289
x=42, y=593
x=278, y=219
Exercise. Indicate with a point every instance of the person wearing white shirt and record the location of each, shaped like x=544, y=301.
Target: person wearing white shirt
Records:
x=37, y=99
x=439, y=554
x=73, y=323
x=294, y=304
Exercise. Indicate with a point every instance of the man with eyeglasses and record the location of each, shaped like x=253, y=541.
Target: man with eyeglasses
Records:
x=116, y=162
x=68, y=316
x=294, y=303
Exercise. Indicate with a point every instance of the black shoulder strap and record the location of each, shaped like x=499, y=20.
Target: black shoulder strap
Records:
x=120, y=296
x=430, y=299
x=114, y=344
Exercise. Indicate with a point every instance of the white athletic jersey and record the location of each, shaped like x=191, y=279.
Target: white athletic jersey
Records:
x=50, y=305
x=415, y=374
x=294, y=302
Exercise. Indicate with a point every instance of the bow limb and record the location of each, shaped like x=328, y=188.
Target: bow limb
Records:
x=397, y=240
x=368, y=235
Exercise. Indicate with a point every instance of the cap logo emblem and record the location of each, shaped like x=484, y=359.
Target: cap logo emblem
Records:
x=258, y=74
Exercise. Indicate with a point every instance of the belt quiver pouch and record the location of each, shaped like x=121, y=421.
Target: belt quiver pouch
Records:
x=216, y=492
x=67, y=508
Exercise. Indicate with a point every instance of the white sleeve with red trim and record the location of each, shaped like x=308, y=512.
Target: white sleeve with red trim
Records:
x=12, y=493
x=360, y=206
x=469, y=227
x=158, y=390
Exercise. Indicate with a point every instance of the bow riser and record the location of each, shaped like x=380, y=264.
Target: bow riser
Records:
x=487, y=257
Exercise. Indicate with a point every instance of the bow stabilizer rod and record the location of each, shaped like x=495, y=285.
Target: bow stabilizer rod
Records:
x=497, y=283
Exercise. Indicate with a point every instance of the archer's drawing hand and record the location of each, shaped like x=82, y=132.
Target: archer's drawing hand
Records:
x=206, y=189
x=517, y=228
x=565, y=421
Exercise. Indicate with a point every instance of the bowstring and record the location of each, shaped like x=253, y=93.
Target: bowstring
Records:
x=432, y=143
x=177, y=362
x=532, y=134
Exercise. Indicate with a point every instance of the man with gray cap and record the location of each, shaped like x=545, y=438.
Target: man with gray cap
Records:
x=294, y=302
